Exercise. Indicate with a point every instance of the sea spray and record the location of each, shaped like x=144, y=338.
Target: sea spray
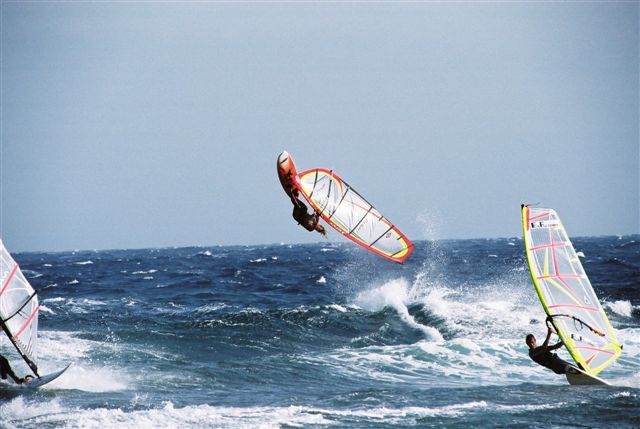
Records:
x=394, y=294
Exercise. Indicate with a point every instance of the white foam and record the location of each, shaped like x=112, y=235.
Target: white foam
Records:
x=394, y=294
x=84, y=263
x=45, y=309
x=210, y=307
x=82, y=306
x=166, y=415
x=321, y=280
x=144, y=272
x=623, y=308
x=483, y=312
x=91, y=379
x=18, y=410
x=338, y=307
x=57, y=348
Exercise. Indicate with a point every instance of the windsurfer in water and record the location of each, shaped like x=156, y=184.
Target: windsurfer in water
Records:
x=5, y=369
x=542, y=354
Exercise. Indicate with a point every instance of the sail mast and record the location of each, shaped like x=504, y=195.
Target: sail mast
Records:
x=30, y=363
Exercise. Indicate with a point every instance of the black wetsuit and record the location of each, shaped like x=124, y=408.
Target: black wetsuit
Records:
x=543, y=356
x=5, y=369
x=300, y=214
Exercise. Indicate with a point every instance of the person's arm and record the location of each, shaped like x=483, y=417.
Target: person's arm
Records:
x=556, y=345
x=15, y=377
x=316, y=218
x=546, y=340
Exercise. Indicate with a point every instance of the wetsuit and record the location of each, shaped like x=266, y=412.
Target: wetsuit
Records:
x=300, y=214
x=543, y=356
x=5, y=369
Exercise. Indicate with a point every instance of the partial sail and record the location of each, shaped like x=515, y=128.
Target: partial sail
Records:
x=349, y=213
x=566, y=293
x=18, y=308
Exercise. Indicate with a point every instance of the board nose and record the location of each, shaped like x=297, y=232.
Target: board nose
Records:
x=283, y=157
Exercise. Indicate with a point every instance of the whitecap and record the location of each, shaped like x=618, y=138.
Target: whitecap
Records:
x=338, y=307
x=91, y=379
x=622, y=308
x=84, y=263
x=394, y=294
x=145, y=272
x=321, y=280
x=45, y=309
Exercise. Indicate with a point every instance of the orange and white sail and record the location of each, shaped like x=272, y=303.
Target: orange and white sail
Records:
x=351, y=215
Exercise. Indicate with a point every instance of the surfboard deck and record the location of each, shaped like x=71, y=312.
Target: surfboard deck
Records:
x=35, y=382
x=577, y=377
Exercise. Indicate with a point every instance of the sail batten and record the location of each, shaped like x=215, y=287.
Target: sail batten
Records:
x=565, y=291
x=18, y=308
x=349, y=213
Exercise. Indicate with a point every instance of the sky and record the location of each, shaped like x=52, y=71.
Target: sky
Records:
x=158, y=124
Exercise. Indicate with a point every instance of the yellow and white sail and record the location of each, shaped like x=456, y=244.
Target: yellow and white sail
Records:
x=566, y=292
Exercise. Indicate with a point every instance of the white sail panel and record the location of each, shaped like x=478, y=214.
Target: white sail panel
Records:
x=566, y=292
x=18, y=307
x=350, y=214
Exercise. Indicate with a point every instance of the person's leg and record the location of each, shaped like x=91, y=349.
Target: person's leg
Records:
x=4, y=367
x=571, y=369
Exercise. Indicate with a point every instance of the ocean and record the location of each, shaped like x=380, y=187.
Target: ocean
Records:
x=316, y=336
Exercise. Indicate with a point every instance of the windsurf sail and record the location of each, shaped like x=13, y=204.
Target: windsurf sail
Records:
x=351, y=215
x=566, y=292
x=18, y=309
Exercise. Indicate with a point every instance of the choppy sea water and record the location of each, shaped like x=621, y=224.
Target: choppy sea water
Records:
x=318, y=335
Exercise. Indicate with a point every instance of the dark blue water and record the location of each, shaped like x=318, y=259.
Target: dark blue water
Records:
x=320, y=335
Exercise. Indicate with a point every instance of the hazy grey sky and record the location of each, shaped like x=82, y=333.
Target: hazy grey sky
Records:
x=143, y=124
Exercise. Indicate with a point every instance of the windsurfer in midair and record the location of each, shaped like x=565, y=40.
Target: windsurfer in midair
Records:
x=542, y=354
x=310, y=222
x=5, y=369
